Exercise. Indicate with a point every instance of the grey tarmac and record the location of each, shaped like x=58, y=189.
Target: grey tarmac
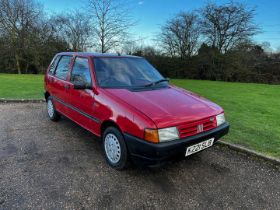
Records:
x=59, y=165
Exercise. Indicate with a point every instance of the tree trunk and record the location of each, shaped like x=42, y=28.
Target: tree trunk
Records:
x=102, y=46
x=18, y=64
x=26, y=68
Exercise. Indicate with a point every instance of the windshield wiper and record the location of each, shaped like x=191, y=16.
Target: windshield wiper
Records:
x=156, y=82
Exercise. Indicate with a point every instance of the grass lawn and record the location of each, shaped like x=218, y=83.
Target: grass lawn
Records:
x=253, y=110
x=26, y=86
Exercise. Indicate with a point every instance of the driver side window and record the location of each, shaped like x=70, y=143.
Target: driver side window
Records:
x=81, y=72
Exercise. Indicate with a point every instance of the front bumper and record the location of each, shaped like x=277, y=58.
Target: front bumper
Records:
x=148, y=153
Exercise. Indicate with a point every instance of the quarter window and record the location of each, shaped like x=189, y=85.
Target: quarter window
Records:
x=62, y=67
x=53, y=64
x=81, y=73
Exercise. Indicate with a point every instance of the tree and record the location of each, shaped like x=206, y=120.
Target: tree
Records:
x=46, y=42
x=111, y=22
x=75, y=28
x=225, y=26
x=18, y=19
x=179, y=36
x=28, y=39
x=129, y=47
x=266, y=47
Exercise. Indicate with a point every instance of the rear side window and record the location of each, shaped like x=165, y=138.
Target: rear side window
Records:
x=81, y=72
x=62, y=67
x=53, y=64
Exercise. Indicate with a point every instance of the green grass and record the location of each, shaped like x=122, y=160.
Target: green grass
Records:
x=253, y=110
x=25, y=86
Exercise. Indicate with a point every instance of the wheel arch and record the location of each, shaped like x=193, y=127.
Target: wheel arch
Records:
x=108, y=123
x=47, y=94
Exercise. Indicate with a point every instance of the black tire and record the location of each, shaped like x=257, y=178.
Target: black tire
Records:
x=123, y=161
x=54, y=116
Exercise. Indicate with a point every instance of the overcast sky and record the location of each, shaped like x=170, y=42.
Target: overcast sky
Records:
x=151, y=14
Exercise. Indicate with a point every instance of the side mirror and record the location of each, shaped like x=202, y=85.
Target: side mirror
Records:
x=82, y=86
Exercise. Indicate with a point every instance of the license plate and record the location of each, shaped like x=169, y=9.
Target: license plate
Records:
x=200, y=146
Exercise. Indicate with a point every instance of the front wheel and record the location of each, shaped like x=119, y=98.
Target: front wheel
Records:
x=115, y=148
x=52, y=113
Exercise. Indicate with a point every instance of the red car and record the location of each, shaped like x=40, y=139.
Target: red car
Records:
x=126, y=102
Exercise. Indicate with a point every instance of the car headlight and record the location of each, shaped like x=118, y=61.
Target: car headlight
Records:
x=220, y=118
x=161, y=135
x=168, y=134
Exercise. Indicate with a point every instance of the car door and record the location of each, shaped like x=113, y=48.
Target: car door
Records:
x=82, y=100
x=59, y=86
x=49, y=79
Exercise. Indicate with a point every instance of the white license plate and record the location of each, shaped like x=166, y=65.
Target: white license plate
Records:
x=200, y=146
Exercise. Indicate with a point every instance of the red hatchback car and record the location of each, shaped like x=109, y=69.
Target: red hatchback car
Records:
x=132, y=107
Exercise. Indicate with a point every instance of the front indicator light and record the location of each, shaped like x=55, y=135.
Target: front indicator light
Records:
x=151, y=135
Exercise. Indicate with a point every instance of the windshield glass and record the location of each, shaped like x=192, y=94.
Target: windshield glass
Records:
x=126, y=73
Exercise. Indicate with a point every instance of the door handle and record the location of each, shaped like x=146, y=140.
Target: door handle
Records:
x=66, y=86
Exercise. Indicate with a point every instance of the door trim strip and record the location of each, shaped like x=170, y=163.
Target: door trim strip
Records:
x=77, y=110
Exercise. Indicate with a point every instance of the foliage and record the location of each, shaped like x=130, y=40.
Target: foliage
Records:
x=220, y=26
x=111, y=21
x=247, y=62
x=179, y=36
x=27, y=39
x=75, y=28
x=227, y=25
x=212, y=43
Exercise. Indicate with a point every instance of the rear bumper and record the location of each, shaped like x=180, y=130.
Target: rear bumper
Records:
x=151, y=154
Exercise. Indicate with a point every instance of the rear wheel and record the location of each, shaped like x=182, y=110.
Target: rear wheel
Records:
x=115, y=148
x=52, y=113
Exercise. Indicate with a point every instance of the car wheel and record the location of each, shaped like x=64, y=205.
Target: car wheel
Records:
x=52, y=113
x=115, y=148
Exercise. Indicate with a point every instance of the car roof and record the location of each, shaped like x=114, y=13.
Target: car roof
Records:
x=93, y=54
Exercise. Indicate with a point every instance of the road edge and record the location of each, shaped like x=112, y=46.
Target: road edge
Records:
x=242, y=149
x=3, y=100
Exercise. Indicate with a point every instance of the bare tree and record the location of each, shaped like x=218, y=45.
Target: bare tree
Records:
x=179, y=36
x=266, y=47
x=128, y=47
x=111, y=22
x=45, y=42
x=17, y=22
x=225, y=26
x=76, y=29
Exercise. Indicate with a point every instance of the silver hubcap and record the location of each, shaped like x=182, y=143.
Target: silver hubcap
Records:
x=50, y=108
x=112, y=148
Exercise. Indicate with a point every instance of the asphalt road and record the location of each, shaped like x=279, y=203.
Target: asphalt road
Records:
x=47, y=165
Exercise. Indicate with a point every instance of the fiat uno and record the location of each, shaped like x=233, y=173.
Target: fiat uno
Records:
x=134, y=110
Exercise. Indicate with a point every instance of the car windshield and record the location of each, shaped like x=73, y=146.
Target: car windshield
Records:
x=124, y=72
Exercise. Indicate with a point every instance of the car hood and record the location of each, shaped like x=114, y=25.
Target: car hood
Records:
x=168, y=106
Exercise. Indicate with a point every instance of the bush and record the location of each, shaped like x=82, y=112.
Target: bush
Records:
x=248, y=64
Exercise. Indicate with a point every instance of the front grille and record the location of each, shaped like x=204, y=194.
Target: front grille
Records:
x=193, y=128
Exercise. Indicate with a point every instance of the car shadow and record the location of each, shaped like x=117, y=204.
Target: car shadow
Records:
x=93, y=144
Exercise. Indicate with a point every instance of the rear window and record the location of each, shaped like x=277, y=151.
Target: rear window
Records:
x=63, y=67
